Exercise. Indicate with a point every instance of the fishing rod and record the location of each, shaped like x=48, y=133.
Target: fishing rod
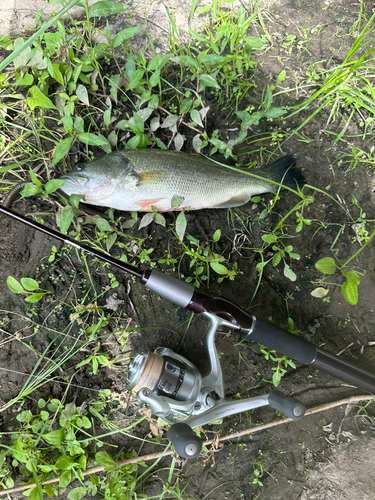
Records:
x=174, y=388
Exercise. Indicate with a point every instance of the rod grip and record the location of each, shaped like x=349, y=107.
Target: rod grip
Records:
x=281, y=341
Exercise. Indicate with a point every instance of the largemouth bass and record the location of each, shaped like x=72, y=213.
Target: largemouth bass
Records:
x=136, y=180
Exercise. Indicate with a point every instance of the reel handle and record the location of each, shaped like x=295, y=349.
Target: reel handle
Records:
x=186, y=443
x=291, y=407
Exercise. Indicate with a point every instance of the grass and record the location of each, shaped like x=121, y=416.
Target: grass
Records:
x=64, y=98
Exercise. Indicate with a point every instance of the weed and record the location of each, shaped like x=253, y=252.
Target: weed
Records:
x=29, y=287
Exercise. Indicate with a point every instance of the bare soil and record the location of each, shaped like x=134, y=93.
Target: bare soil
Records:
x=328, y=455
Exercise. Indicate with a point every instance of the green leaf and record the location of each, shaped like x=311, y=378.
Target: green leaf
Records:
x=170, y=121
x=136, y=78
x=125, y=35
x=63, y=462
x=186, y=61
x=39, y=99
x=103, y=224
x=326, y=265
x=84, y=362
x=185, y=105
x=19, y=451
x=25, y=80
x=56, y=73
x=54, y=184
x=24, y=416
x=95, y=140
x=65, y=479
x=75, y=199
x=268, y=98
x=269, y=238
x=219, y=268
x=176, y=201
x=276, y=378
x=133, y=142
x=138, y=122
x=196, y=117
x=34, y=493
x=107, y=117
x=197, y=143
x=70, y=410
x=181, y=225
x=288, y=273
x=211, y=59
x=81, y=93
x=105, y=8
x=351, y=276
x=105, y=460
x=349, y=291
x=154, y=102
x=29, y=284
x=158, y=62
x=35, y=297
x=276, y=259
x=274, y=112
x=62, y=149
x=207, y=81
x=319, y=292
x=281, y=76
x=30, y=190
x=196, y=35
x=79, y=124
x=254, y=42
x=64, y=218
x=154, y=79
x=146, y=220
x=217, y=235
x=54, y=437
x=14, y=286
x=77, y=493
x=109, y=242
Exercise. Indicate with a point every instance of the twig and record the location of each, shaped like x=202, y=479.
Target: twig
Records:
x=251, y=430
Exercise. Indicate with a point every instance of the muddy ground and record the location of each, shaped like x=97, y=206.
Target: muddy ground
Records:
x=325, y=455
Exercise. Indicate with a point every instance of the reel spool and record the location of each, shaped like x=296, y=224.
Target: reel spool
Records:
x=171, y=379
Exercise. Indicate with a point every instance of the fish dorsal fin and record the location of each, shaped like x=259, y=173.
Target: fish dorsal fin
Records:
x=136, y=178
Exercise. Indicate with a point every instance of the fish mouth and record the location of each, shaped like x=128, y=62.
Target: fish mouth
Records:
x=75, y=181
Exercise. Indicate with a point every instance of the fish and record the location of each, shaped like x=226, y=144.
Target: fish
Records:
x=138, y=180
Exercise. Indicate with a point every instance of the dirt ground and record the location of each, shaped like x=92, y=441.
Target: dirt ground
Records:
x=328, y=455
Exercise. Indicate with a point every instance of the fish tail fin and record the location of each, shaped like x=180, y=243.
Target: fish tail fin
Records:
x=285, y=172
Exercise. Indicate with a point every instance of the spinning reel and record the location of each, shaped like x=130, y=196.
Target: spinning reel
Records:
x=176, y=392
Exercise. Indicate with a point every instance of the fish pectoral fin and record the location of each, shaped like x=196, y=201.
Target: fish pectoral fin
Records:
x=132, y=178
x=146, y=176
x=146, y=205
x=236, y=201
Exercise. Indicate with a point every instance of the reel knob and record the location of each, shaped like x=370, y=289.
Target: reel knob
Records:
x=186, y=443
x=291, y=407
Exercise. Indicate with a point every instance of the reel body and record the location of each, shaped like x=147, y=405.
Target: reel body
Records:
x=175, y=391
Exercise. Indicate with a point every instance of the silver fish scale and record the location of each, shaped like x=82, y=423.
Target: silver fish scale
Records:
x=198, y=180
